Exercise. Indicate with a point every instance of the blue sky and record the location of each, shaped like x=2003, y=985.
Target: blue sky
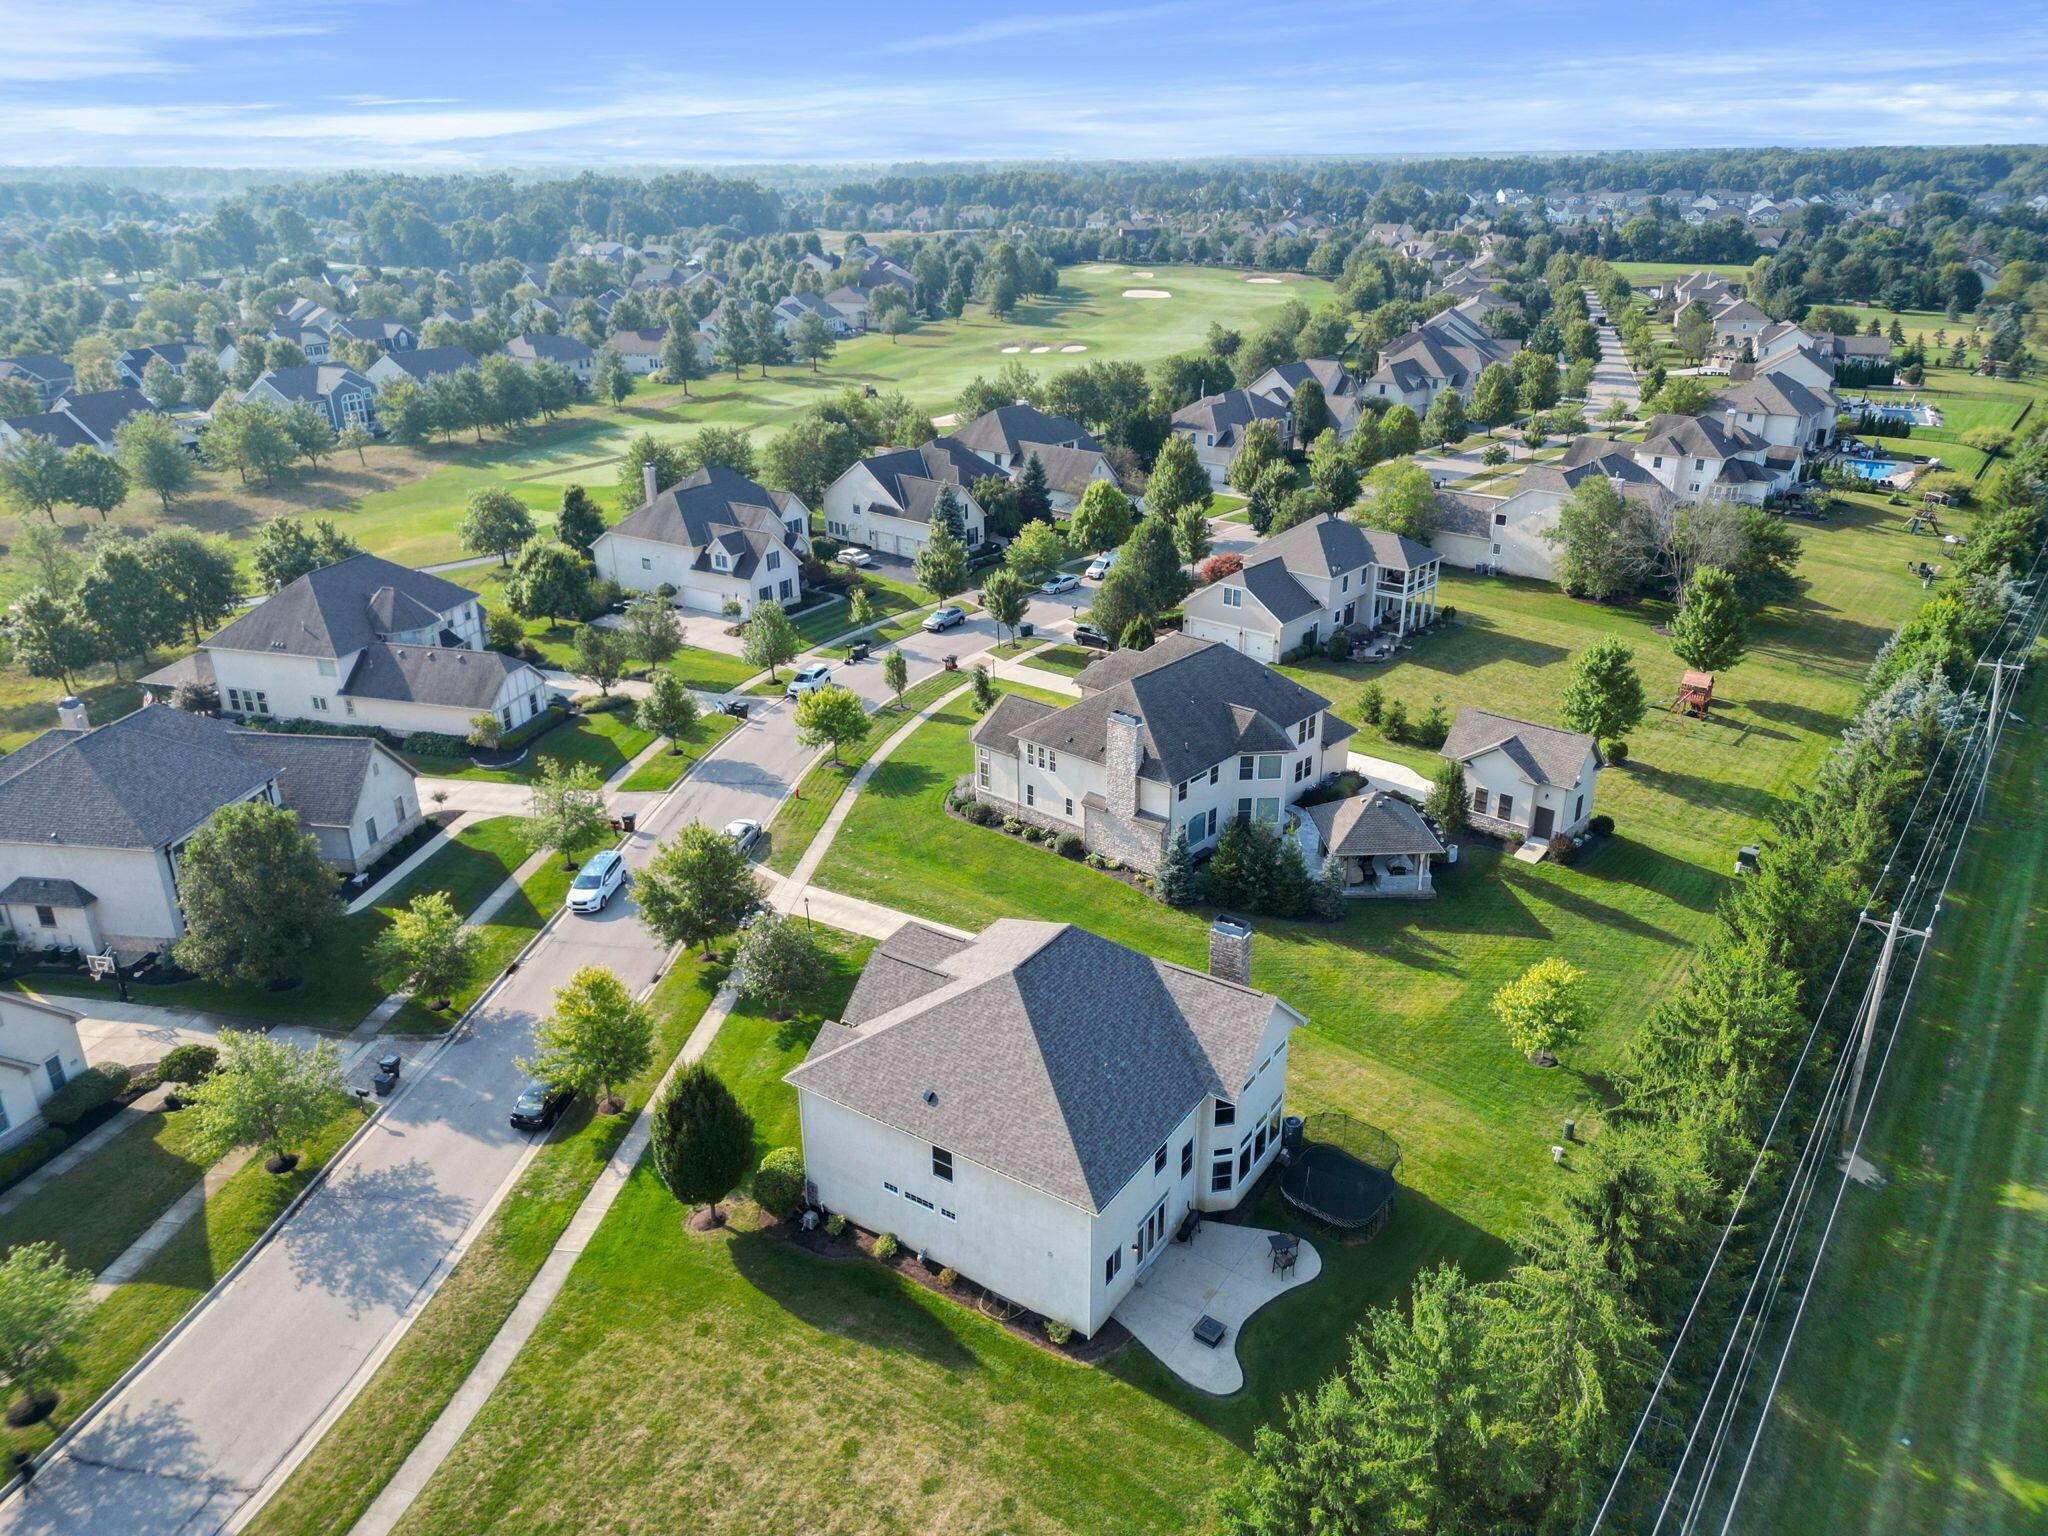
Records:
x=308, y=83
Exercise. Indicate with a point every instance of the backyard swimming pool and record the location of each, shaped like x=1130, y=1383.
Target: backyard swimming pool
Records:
x=1872, y=469
x=1917, y=413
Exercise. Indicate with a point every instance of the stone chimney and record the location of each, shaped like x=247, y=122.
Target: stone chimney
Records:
x=649, y=490
x=71, y=714
x=1123, y=753
x=1230, y=949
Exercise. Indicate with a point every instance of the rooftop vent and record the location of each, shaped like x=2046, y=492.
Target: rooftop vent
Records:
x=931, y=1097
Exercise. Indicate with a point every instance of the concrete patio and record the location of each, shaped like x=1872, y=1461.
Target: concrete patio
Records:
x=1224, y=1271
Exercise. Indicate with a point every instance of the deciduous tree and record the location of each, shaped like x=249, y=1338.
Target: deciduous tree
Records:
x=596, y=1038
x=1543, y=1009
x=496, y=523
x=44, y=1306
x=831, y=716
x=1603, y=697
x=565, y=809
x=697, y=886
x=427, y=949
x=257, y=897
x=771, y=640
x=267, y=1093
x=669, y=709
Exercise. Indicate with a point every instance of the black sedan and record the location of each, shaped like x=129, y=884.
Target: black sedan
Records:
x=540, y=1106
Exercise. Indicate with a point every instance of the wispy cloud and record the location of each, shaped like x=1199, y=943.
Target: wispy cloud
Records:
x=59, y=40
x=1005, y=29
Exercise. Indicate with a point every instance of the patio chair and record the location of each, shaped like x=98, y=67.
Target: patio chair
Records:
x=1286, y=1250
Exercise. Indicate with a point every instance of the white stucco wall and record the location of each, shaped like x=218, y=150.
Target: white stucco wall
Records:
x=29, y=1037
x=1496, y=773
x=137, y=906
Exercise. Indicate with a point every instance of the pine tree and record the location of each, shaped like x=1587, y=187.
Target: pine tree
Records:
x=1709, y=631
x=1328, y=900
x=1177, y=882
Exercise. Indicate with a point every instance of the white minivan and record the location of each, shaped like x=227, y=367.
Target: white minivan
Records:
x=597, y=882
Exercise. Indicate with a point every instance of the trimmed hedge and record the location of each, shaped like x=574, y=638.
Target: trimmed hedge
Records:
x=779, y=1181
x=92, y=1089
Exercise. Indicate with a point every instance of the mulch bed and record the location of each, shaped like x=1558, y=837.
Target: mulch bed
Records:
x=1135, y=879
x=1024, y=1324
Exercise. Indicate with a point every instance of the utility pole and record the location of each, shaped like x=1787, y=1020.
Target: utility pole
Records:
x=1872, y=1004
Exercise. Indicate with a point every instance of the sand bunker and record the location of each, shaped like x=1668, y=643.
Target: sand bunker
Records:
x=1011, y=349
x=1141, y=274
x=1262, y=279
x=1041, y=349
x=1073, y=346
x=1146, y=293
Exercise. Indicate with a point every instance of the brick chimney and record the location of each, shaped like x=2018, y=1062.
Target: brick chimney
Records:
x=1230, y=949
x=1123, y=753
x=649, y=490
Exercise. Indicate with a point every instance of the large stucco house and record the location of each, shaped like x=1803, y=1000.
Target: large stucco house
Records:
x=1323, y=575
x=716, y=537
x=93, y=819
x=1216, y=425
x=40, y=1052
x=1510, y=535
x=1523, y=777
x=1448, y=351
x=369, y=642
x=1039, y=1107
x=1186, y=734
x=886, y=500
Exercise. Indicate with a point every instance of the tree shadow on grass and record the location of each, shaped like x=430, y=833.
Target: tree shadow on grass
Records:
x=1800, y=717
x=1752, y=801
x=902, y=779
x=1625, y=861
x=1478, y=642
x=1564, y=895
x=853, y=1299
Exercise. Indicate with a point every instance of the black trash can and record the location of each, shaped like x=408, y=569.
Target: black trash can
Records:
x=737, y=708
x=388, y=1062
x=858, y=651
x=1026, y=630
x=627, y=819
x=384, y=1082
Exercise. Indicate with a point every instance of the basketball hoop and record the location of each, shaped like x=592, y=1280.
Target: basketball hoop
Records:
x=100, y=966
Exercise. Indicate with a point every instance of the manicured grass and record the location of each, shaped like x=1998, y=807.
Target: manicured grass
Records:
x=357, y=1457
x=663, y=769
x=710, y=671
x=803, y=813
x=509, y=930
x=95, y=1210
x=137, y=1314
x=605, y=740
x=909, y=607
x=813, y=1395
x=1063, y=659
x=1917, y=1392
x=338, y=988
x=1645, y=274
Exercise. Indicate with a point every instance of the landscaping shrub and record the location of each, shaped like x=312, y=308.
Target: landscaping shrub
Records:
x=948, y=1277
x=1601, y=825
x=436, y=744
x=886, y=1247
x=1372, y=704
x=1434, y=728
x=980, y=812
x=1013, y=826
x=1562, y=849
x=1058, y=1331
x=835, y=1225
x=1338, y=646
x=1616, y=752
x=503, y=631
x=92, y=1089
x=1069, y=845
x=779, y=1181
x=1395, y=726
x=18, y=1162
x=187, y=1064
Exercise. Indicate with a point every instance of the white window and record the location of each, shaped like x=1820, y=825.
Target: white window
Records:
x=398, y=810
x=942, y=1164
x=370, y=829
x=1031, y=794
x=320, y=703
x=981, y=770
x=1269, y=765
x=1113, y=1265
x=1233, y=597
x=55, y=1068
x=1301, y=731
x=1070, y=805
x=324, y=667
x=774, y=561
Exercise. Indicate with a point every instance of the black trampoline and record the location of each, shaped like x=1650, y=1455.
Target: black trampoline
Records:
x=1343, y=1174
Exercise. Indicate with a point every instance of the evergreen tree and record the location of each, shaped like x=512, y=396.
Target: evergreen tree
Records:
x=578, y=523
x=1034, y=500
x=1709, y=632
x=1178, y=479
x=1328, y=900
x=680, y=360
x=941, y=563
x=1447, y=797
x=1311, y=411
x=1177, y=887
x=702, y=1140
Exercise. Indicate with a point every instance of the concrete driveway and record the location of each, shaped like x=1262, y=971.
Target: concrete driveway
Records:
x=186, y=1445
x=1225, y=1272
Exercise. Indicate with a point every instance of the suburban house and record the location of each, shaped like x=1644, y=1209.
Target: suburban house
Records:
x=789, y=313
x=886, y=500
x=342, y=395
x=639, y=349
x=1835, y=353
x=1506, y=535
x=1521, y=777
x=715, y=537
x=1449, y=351
x=1381, y=844
x=1738, y=322
x=81, y=420
x=1711, y=458
x=1007, y=435
x=1184, y=734
x=174, y=355
x=1039, y=1107
x=1781, y=410
x=563, y=351
x=381, y=332
x=1068, y=474
x=422, y=365
x=1299, y=587
x=93, y=820
x=367, y=641
x=1341, y=390
x=313, y=341
x=49, y=373
x=850, y=304
x=1216, y=425
x=39, y=1053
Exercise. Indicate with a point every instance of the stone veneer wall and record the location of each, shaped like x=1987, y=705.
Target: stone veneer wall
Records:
x=1133, y=842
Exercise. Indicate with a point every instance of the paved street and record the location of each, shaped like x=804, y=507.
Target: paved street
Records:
x=1613, y=379
x=201, y=1428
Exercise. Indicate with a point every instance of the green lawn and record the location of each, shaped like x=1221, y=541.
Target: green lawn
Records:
x=605, y=740
x=96, y=1209
x=803, y=813
x=1645, y=274
x=706, y=670
x=663, y=769
x=137, y=1314
x=339, y=988
x=811, y=1395
x=1063, y=659
x=1917, y=1394
x=335, y=1484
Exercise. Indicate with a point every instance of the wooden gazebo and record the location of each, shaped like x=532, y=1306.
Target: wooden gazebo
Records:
x=1695, y=694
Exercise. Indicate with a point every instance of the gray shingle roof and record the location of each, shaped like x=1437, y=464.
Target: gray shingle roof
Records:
x=35, y=891
x=1466, y=513
x=1710, y=437
x=1226, y=415
x=997, y=730
x=320, y=777
x=312, y=382
x=330, y=612
x=715, y=505
x=1044, y=1053
x=911, y=477
x=429, y=674
x=1543, y=752
x=1372, y=823
x=425, y=363
x=538, y=345
x=1276, y=590
x=1200, y=702
x=1007, y=428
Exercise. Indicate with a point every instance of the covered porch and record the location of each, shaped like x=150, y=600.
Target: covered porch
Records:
x=1381, y=843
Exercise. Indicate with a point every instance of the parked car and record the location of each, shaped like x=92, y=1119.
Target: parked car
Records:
x=944, y=618
x=597, y=882
x=744, y=833
x=1101, y=565
x=852, y=556
x=808, y=680
x=1065, y=581
x=539, y=1105
x=1091, y=637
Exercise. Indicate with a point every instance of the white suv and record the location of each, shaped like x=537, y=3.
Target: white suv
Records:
x=597, y=882
x=808, y=680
